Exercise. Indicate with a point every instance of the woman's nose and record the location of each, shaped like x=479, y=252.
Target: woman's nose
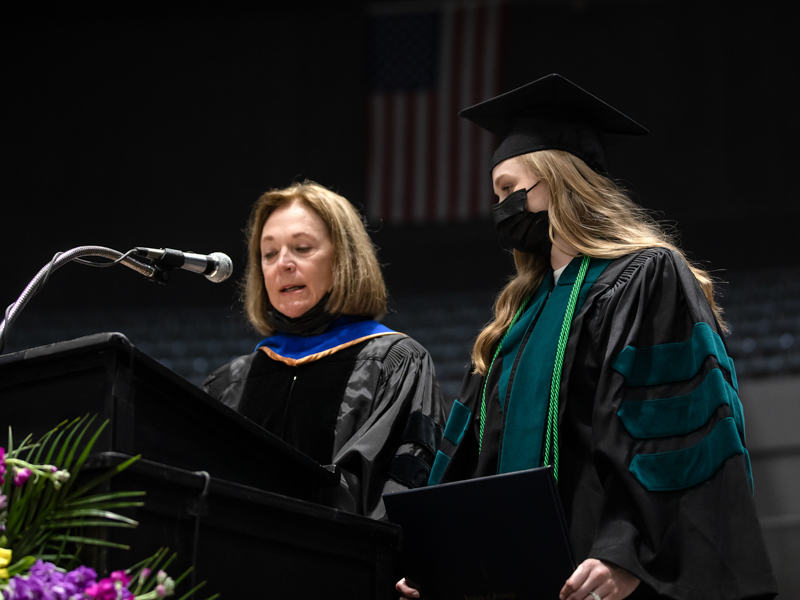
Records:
x=285, y=259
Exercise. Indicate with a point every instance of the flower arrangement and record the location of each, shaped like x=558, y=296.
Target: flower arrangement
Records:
x=44, y=516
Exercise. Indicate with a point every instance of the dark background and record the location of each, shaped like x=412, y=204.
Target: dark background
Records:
x=161, y=128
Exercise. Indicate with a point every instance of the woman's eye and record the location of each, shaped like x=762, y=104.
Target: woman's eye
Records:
x=269, y=255
x=304, y=248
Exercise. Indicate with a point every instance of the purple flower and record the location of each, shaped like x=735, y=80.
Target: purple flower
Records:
x=82, y=577
x=3, y=501
x=21, y=476
x=2, y=464
x=43, y=570
x=46, y=582
x=25, y=589
x=61, y=591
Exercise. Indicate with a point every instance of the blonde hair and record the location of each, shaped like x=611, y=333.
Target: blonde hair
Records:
x=358, y=286
x=592, y=214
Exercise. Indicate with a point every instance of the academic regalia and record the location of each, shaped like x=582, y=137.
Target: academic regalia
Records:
x=653, y=472
x=359, y=396
x=644, y=425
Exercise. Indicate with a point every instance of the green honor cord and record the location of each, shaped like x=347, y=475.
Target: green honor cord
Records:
x=555, y=386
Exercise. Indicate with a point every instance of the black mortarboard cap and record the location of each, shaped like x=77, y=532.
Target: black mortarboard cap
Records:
x=552, y=113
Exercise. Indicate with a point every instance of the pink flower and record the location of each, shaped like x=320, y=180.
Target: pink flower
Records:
x=120, y=576
x=21, y=476
x=2, y=464
x=110, y=588
x=102, y=590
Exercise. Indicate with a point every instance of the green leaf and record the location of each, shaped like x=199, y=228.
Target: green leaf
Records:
x=99, y=498
x=192, y=591
x=134, y=570
x=82, y=428
x=71, y=428
x=43, y=520
x=150, y=583
x=42, y=443
x=90, y=541
x=22, y=446
x=61, y=549
x=101, y=478
x=76, y=468
x=21, y=565
x=48, y=459
x=90, y=512
x=166, y=565
x=183, y=576
x=30, y=450
x=112, y=505
x=88, y=523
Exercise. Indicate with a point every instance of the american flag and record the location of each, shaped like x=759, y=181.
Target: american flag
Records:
x=427, y=62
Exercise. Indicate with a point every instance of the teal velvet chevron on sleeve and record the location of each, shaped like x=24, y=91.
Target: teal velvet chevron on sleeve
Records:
x=457, y=422
x=437, y=470
x=666, y=363
x=681, y=414
x=680, y=469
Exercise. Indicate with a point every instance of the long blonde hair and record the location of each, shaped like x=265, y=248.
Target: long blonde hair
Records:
x=593, y=215
x=358, y=286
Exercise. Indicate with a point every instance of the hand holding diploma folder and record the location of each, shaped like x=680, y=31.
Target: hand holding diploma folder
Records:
x=490, y=538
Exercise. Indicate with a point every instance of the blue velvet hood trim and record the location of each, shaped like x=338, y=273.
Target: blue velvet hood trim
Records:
x=342, y=330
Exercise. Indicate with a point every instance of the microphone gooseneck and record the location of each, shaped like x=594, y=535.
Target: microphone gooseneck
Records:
x=153, y=263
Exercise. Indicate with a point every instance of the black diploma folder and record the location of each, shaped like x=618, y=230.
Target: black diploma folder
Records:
x=490, y=538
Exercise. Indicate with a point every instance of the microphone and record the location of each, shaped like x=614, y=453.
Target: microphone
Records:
x=216, y=266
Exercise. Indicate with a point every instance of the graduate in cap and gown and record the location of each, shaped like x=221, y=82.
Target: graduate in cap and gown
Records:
x=329, y=379
x=606, y=359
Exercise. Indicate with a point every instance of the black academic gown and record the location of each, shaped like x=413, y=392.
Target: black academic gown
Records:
x=653, y=473
x=374, y=409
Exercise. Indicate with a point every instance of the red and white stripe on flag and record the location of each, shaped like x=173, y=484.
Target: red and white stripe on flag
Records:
x=427, y=62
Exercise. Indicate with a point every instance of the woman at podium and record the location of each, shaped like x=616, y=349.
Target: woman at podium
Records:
x=328, y=378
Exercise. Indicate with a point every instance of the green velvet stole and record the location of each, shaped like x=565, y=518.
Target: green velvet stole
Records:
x=526, y=412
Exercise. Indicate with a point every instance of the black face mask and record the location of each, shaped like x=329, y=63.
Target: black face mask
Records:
x=312, y=322
x=521, y=229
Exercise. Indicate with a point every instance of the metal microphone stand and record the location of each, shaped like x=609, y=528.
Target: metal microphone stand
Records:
x=152, y=272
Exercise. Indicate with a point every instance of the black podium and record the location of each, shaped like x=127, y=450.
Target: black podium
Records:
x=258, y=531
